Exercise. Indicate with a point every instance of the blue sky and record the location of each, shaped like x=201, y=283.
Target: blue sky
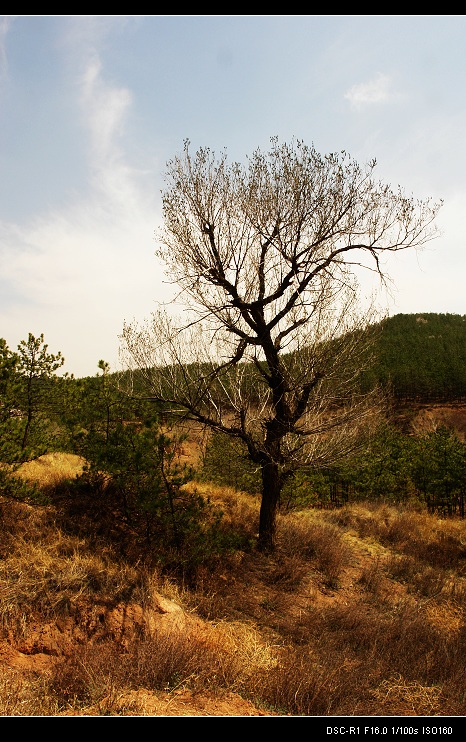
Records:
x=92, y=107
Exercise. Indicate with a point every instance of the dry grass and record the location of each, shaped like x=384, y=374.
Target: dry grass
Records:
x=25, y=694
x=371, y=577
x=216, y=657
x=410, y=698
x=361, y=611
x=302, y=535
x=51, y=469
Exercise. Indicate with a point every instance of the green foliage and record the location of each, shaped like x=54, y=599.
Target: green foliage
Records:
x=27, y=399
x=421, y=357
x=439, y=466
x=8, y=361
x=226, y=462
x=395, y=467
x=10, y=424
x=400, y=468
x=135, y=463
x=384, y=470
x=15, y=488
x=306, y=489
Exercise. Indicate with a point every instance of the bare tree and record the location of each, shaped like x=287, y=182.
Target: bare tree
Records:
x=272, y=341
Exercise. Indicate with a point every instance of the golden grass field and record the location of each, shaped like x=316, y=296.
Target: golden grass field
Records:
x=361, y=611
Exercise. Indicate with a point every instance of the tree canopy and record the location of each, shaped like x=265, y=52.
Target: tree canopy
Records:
x=273, y=338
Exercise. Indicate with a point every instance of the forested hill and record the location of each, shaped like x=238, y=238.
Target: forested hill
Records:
x=423, y=357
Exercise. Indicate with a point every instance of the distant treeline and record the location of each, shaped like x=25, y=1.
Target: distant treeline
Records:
x=421, y=357
x=418, y=357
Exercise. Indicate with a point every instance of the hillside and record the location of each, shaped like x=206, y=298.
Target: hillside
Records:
x=422, y=357
x=417, y=358
x=108, y=609
x=361, y=611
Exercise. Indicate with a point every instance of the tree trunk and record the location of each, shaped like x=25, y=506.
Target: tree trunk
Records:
x=271, y=489
x=26, y=431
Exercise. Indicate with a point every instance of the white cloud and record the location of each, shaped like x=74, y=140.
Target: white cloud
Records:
x=378, y=90
x=105, y=108
x=78, y=273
